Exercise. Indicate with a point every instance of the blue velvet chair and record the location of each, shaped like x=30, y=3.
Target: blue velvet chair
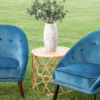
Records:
x=79, y=69
x=13, y=55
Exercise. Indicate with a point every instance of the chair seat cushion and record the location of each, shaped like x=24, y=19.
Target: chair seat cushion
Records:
x=82, y=75
x=9, y=68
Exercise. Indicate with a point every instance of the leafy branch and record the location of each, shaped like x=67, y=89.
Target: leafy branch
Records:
x=48, y=11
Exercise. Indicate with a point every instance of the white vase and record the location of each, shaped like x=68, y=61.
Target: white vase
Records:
x=50, y=37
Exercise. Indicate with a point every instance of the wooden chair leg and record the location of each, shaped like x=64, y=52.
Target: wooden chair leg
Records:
x=21, y=88
x=93, y=97
x=56, y=92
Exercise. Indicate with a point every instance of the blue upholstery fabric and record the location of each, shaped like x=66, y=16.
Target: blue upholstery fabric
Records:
x=80, y=72
x=14, y=49
x=79, y=69
x=87, y=70
x=9, y=68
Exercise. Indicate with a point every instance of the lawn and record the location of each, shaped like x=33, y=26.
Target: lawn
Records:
x=83, y=17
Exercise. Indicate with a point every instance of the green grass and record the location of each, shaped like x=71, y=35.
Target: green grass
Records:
x=83, y=17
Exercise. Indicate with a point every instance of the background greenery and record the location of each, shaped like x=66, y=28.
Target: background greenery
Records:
x=83, y=17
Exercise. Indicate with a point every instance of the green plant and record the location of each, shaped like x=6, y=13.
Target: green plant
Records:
x=48, y=10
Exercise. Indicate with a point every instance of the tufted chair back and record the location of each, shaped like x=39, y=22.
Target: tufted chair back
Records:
x=14, y=44
x=86, y=50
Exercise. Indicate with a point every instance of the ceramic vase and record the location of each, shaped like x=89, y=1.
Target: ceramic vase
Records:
x=50, y=37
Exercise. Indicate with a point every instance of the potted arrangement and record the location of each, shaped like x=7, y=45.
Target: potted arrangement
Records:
x=48, y=11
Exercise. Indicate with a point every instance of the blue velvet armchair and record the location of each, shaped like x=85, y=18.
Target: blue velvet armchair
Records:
x=13, y=55
x=79, y=69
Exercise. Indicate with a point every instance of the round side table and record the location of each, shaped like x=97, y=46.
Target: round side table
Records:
x=43, y=64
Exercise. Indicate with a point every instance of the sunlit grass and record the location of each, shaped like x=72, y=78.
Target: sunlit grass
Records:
x=83, y=17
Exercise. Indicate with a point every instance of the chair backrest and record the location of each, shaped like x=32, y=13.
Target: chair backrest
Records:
x=13, y=44
x=86, y=50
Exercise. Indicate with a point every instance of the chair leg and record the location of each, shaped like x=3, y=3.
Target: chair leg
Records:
x=56, y=92
x=93, y=97
x=21, y=88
